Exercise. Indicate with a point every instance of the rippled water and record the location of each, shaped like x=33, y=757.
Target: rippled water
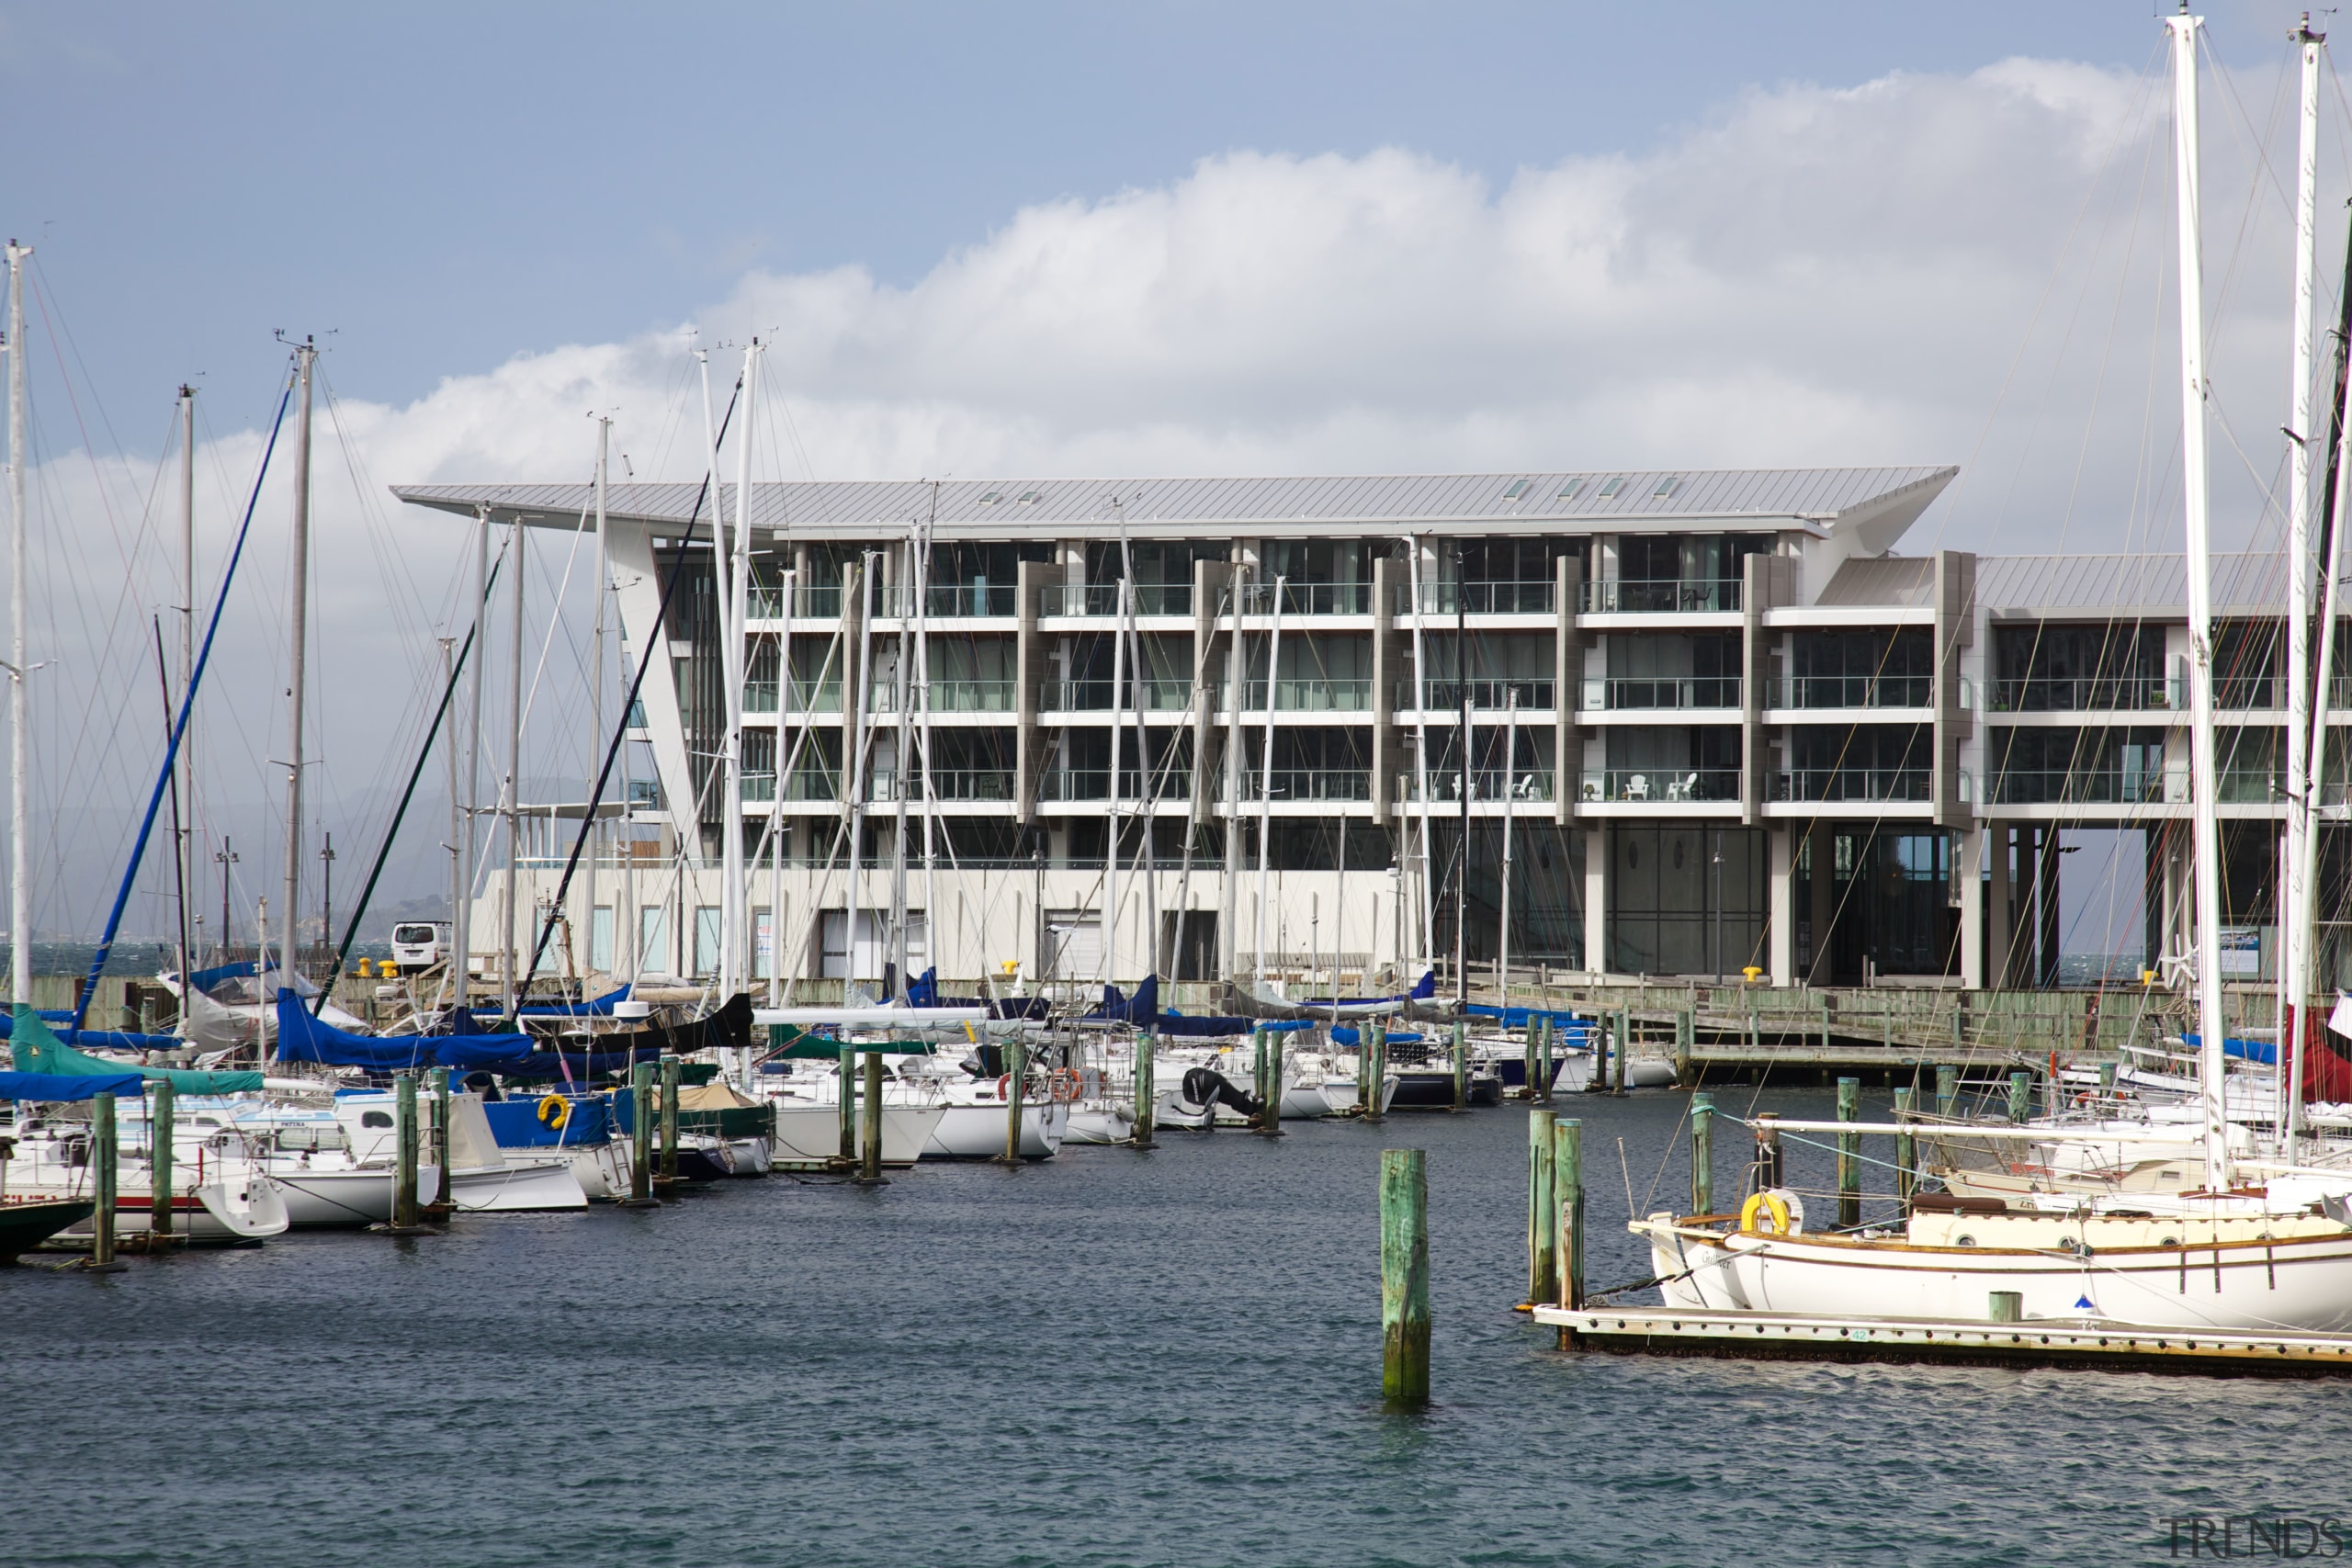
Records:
x=1107, y=1359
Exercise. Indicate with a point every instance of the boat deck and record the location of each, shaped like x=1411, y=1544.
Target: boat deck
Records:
x=2050, y=1342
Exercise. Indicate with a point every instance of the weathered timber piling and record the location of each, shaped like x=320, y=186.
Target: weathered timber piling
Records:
x=1404, y=1276
x=159, y=1165
x=1544, y=1059
x=1567, y=1202
x=1371, y=1069
x=1596, y=1034
x=1702, y=1154
x=1624, y=1044
x=2107, y=1078
x=1271, y=1124
x=1527, y=1049
x=1147, y=1093
x=1016, y=1059
x=2005, y=1306
x=404, y=1139
x=640, y=1137
x=848, y=1058
x=1850, y=1156
x=442, y=1206
x=1685, y=1039
x=1257, y=1072
x=869, y=1171
x=1461, y=1064
x=666, y=1182
x=102, y=1180
x=1946, y=1091
x=1906, y=1151
x=1543, y=1209
x=2020, y=1095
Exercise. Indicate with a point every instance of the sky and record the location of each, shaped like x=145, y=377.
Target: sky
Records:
x=1071, y=239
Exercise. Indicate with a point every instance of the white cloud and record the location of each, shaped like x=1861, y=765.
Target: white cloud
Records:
x=1812, y=276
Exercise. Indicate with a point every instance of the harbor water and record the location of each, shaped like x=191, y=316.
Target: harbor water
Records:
x=1108, y=1358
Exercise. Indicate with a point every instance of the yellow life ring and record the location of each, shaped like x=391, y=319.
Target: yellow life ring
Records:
x=1761, y=1203
x=554, y=1111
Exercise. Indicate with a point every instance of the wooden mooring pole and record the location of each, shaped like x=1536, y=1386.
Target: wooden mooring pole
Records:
x=1372, y=1068
x=849, y=1103
x=1461, y=1064
x=869, y=1171
x=2020, y=1095
x=102, y=1180
x=1147, y=1091
x=1906, y=1151
x=1568, y=1201
x=1543, y=1211
x=442, y=1206
x=1544, y=1063
x=1946, y=1089
x=1270, y=1126
x=640, y=1135
x=1624, y=1044
x=1850, y=1156
x=159, y=1165
x=1016, y=1059
x=1702, y=1154
x=666, y=1182
x=1404, y=1276
x=404, y=1216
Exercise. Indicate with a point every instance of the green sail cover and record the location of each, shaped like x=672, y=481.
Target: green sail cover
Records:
x=38, y=1050
x=790, y=1043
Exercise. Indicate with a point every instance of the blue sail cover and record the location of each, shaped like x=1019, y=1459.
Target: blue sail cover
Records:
x=1142, y=1009
x=601, y=1007
x=69, y=1086
x=567, y=1064
x=302, y=1038
x=99, y=1039
x=1342, y=1035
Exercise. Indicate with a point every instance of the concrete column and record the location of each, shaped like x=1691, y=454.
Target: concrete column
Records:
x=1595, y=899
x=1824, y=854
x=1781, y=918
x=1999, y=971
x=2046, y=905
x=1976, y=849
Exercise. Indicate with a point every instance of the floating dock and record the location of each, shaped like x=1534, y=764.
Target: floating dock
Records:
x=2053, y=1342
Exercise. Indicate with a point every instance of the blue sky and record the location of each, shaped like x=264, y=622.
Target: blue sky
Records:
x=444, y=186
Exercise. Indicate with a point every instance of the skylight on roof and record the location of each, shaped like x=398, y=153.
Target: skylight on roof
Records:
x=1518, y=488
x=1028, y=498
x=1568, y=491
x=1668, y=485
x=992, y=498
x=1612, y=488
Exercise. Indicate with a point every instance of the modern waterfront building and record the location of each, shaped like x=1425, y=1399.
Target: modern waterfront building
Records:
x=1709, y=721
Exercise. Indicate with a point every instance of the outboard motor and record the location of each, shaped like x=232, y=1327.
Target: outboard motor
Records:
x=1205, y=1089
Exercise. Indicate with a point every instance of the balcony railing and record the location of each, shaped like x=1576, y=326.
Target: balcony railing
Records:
x=2089, y=693
x=1489, y=598
x=2088, y=786
x=974, y=696
x=947, y=783
x=807, y=696
x=1866, y=785
x=819, y=604
x=1486, y=783
x=1075, y=784
x=2248, y=693
x=1650, y=596
x=1103, y=599
x=1856, y=692
x=1309, y=598
x=1485, y=696
x=759, y=789
x=1663, y=692
x=1308, y=696
x=1308, y=784
x=1657, y=786
x=1094, y=696
x=644, y=795
x=812, y=783
x=951, y=601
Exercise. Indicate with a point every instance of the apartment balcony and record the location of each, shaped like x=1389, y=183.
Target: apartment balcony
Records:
x=1096, y=696
x=1075, y=784
x=1488, y=598
x=1308, y=784
x=986, y=784
x=2098, y=693
x=1861, y=786
x=1308, y=696
x=759, y=789
x=821, y=602
x=812, y=785
x=644, y=795
x=1100, y=598
x=974, y=696
x=1854, y=692
x=1257, y=598
x=1633, y=692
x=1485, y=696
x=1655, y=787
x=950, y=601
x=1665, y=595
x=1521, y=785
x=2090, y=786
x=807, y=696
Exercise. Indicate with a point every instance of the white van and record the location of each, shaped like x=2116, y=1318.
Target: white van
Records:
x=420, y=945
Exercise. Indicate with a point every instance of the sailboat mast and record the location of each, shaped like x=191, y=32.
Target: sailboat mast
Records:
x=734, y=893
x=2205, y=824
x=299, y=625
x=2295, y=957
x=1266, y=769
x=510, y=938
x=461, y=913
x=596, y=693
x=183, y=833
x=20, y=881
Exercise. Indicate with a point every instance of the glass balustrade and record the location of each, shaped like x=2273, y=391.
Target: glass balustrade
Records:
x=1308, y=784
x=1856, y=692
x=1309, y=598
x=1880, y=785
x=1665, y=595
x=2087, y=693
x=1663, y=692
x=1485, y=598
x=1658, y=786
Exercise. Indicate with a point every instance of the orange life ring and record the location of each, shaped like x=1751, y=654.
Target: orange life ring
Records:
x=1064, y=1085
x=1004, y=1087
